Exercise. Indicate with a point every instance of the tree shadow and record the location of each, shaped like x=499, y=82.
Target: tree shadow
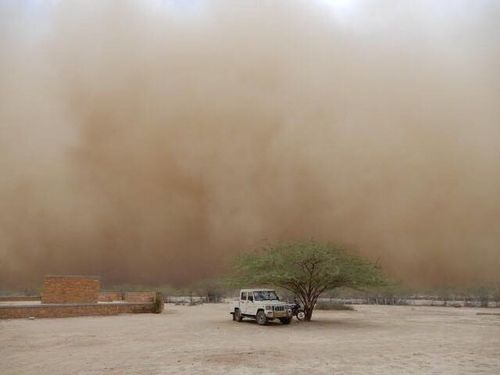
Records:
x=337, y=323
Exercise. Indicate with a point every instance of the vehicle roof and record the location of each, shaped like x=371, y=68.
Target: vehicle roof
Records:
x=258, y=290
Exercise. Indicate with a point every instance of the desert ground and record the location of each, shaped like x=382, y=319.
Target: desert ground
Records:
x=204, y=340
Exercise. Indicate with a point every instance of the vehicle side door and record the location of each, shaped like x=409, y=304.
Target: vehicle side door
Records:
x=243, y=302
x=251, y=305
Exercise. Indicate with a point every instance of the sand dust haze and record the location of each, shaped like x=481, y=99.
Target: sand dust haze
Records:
x=148, y=141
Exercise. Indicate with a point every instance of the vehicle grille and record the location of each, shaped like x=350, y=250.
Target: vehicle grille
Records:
x=279, y=308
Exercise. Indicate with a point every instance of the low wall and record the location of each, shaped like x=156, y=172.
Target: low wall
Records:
x=133, y=297
x=19, y=298
x=110, y=296
x=140, y=296
x=410, y=302
x=70, y=289
x=70, y=310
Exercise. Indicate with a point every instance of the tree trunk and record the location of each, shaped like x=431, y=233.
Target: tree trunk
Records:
x=308, y=300
x=308, y=310
x=309, y=307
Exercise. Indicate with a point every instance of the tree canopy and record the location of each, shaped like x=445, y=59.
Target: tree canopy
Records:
x=306, y=269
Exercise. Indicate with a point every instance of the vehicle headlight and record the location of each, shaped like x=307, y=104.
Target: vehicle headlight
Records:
x=269, y=307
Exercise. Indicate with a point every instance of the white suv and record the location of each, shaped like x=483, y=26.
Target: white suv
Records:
x=262, y=305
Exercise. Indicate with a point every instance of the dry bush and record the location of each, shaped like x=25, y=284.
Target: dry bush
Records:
x=333, y=306
x=159, y=304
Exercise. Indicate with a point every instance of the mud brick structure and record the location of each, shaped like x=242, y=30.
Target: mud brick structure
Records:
x=73, y=310
x=110, y=296
x=131, y=297
x=140, y=297
x=70, y=289
x=68, y=296
x=19, y=298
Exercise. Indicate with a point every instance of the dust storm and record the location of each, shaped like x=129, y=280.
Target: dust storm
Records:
x=151, y=141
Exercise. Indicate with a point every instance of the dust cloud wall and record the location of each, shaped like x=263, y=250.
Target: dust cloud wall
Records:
x=150, y=141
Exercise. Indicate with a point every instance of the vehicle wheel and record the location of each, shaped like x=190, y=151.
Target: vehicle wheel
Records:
x=237, y=315
x=285, y=320
x=261, y=317
x=301, y=315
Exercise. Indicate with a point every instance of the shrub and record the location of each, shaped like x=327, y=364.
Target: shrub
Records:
x=158, y=303
x=333, y=306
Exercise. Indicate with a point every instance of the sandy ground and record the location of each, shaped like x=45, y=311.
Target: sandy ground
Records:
x=204, y=340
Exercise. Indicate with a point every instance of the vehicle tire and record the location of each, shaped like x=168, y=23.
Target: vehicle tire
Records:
x=285, y=320
x=261, y=318
x=237, y=315
x=301, y=315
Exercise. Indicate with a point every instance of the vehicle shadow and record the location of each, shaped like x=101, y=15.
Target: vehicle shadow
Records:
x=271, y=323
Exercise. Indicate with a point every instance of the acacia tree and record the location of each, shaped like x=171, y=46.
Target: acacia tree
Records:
x=306, y=269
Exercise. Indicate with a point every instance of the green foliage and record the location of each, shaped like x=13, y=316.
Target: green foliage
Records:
x=307, y=269
x=323, y=266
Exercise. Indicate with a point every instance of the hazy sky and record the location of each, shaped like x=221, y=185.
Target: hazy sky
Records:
x=148, y=141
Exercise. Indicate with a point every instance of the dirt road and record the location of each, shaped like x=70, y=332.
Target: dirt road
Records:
x=204, y=340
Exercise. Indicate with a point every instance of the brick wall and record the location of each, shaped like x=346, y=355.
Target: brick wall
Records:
x=140, y=296
x=70, y=289
x=110, y=296
x=19, y=298
x=127, y=296
x=71, y=310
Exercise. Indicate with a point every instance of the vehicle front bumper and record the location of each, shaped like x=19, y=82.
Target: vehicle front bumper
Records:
x=278, y=314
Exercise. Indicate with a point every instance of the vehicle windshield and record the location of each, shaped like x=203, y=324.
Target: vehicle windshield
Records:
x=265, y=295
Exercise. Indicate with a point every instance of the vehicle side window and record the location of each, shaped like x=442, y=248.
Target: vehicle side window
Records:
x=243, y=296
x=250, y=297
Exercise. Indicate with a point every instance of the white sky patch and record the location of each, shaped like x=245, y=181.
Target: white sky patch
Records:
x=180, y=7
x=343, y=11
